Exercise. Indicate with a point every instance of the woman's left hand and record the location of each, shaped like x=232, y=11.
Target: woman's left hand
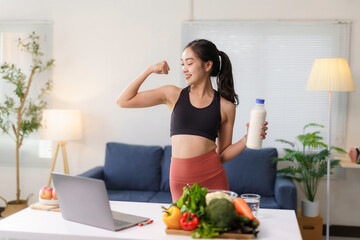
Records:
x=264, y=128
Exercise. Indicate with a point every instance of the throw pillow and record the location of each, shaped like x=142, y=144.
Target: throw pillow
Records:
x=253, y=171
x=132, y=167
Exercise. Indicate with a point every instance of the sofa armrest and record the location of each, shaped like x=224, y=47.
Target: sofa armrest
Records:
x=285, y=192
x=96, y=172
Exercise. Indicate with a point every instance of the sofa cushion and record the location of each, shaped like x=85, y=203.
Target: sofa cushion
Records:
x=269, y=202
x=161, y=197
x=253, y=171
x=165, y=169
x=130, y=195
x=132, y=167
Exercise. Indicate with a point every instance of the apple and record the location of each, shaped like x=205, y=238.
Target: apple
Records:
x=54, y=194
x=46, y=193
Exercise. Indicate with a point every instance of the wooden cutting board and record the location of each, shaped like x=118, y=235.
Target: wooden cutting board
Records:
x=223, y=235
x=44, y=207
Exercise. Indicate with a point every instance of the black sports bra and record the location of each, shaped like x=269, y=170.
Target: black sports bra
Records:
x=187, y=119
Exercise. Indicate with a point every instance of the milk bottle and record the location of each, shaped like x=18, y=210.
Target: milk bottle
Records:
x=257, y=118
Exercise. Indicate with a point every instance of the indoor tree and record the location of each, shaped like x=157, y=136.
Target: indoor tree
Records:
x=21, y=113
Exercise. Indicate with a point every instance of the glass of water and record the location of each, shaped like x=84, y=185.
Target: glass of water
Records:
x=253, y=200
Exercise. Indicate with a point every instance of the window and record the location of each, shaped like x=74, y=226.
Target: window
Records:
x=9, y=52
x=273, y=60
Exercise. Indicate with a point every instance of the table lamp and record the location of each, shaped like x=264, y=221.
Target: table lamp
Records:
x=330, y=75
x=61, y=126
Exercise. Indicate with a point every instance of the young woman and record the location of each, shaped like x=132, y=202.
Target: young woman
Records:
x=199, y=116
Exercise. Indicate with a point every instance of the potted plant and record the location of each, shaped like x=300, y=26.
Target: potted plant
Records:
x=20, y=113
x=308, y=164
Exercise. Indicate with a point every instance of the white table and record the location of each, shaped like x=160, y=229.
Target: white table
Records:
x=37, y=224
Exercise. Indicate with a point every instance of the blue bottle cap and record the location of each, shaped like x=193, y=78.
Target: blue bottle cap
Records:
x=260, y=101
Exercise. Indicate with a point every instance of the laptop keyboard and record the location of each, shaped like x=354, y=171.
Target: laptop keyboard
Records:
x=119, y=223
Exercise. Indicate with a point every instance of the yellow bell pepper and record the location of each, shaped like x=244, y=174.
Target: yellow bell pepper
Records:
x=172, y=217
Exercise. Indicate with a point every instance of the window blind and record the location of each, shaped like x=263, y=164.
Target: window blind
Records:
x=273, y=60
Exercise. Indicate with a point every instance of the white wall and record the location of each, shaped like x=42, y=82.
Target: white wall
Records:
x=100, y=46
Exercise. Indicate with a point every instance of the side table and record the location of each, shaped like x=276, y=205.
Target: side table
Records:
x=310, y=227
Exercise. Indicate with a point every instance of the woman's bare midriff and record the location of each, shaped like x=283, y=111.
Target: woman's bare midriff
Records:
x=188, y=146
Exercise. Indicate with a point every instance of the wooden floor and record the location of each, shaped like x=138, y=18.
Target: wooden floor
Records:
x=341, y=238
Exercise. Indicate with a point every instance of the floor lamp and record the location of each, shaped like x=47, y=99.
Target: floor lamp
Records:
x=61, y=126
x=330, y=75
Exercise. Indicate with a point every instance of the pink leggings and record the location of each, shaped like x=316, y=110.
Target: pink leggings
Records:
x=205, y=170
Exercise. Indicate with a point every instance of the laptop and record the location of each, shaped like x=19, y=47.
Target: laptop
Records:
x=85, y=200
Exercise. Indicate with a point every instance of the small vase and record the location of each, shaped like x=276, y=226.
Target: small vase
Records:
x=310, y=209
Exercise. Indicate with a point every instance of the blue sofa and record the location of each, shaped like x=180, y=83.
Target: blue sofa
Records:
x=141, y=173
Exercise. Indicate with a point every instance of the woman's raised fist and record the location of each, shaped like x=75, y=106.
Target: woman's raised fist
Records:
x=160, y=68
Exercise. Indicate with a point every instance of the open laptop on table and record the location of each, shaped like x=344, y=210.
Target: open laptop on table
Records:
x=85, y=200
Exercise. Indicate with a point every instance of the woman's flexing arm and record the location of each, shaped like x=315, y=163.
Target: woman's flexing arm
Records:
x=131, y=98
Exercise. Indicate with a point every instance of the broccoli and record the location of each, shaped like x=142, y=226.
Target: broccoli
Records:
x=218, y=194
x=221, y=212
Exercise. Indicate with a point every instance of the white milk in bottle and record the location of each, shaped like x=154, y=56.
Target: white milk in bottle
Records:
x=257, y=118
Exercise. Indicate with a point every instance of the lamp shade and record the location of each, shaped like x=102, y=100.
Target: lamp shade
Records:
x=330, y=75
x=61, y=125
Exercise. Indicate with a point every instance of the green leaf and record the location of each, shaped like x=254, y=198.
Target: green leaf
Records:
x=287, y=150
x=206, y=229
x=334, y=163
x=313, y=125
x=288, y=171
x=274, y=160
x=339, y=150
x=193, y=200
x=322, y=155
x=284, y=141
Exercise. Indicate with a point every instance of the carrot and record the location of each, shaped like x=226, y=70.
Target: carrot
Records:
x=242, y=208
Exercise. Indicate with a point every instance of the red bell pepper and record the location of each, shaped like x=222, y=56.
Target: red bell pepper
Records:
x=189, y=221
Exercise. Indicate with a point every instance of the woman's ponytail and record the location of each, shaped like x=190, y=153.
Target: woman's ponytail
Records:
x=225, y=82
x=222, y=70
